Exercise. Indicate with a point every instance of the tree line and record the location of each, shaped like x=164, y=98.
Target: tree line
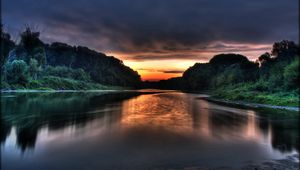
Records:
x=273, y=78
x=275, y=71
x=31, y=63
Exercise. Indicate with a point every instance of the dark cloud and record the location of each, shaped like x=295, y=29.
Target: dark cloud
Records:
x=198, y=53
x=163, y=57
x=157, y=26
x=173, y=71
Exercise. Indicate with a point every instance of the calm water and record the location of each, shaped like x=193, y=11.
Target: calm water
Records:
x=128, y=130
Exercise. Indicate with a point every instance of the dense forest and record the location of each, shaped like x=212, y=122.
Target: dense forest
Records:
x=272, y=78
x=32, y=64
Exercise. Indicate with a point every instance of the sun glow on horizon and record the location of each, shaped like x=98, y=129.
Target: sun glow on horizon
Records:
x=161, y=69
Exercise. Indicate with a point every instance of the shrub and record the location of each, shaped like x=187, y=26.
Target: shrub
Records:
x=4, y=85
x=65, y=72
x=16, y=72
x=39, y=55
x=58, y=83
x=34, y=68
x=291, y=74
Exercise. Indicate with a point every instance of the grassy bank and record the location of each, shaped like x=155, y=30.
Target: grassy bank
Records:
x=247, y=94
x=58, y=83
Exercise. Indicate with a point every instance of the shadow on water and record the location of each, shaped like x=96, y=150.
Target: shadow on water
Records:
x=29, y=112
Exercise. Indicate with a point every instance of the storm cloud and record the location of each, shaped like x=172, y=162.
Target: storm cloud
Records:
x=158, y=29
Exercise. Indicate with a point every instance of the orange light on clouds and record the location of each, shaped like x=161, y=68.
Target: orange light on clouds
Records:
x=159, y=69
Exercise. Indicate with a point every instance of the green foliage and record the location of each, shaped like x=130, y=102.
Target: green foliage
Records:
x=291, y=74
x=34, y=84
x=71, y=64
x=275, y=77
x=4, y=85
x=272, y=79
x=21, y=76
x=16, y=72
x=222, y=70
x=57, y=83
x=39, y=55
x=230, y=75
x=102, y=69
x=32, y=64
x=65, y=72
x=34, y=68
x=246, y=92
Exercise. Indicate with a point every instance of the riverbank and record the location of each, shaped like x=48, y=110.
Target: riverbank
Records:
x=51, y=83
x=249, y=93
x=125, y=90
x=58, y=91
x=247, y=104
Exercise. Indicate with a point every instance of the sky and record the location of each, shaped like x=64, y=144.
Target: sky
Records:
x=158, y=38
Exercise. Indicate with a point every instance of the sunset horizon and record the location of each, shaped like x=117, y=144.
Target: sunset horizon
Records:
x=167, y=67
x=153, y=66
x=150, y=85
x=158, y=39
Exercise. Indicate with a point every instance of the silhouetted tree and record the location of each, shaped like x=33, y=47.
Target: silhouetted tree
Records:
x=30, y=40
x=285, y=49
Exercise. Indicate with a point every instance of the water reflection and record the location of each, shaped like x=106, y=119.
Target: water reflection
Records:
x=159, y=111
x=169, y=129
x=29, y=112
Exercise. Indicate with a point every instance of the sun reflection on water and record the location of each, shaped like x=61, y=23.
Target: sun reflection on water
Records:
x=161, y=127
x=181, y=113
x=158, y=111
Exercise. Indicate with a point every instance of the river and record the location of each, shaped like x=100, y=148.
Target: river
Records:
x=134, y=130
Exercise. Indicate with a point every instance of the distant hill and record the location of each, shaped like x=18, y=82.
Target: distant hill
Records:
x=55, y=57
x=103, y=69
x=272, y=79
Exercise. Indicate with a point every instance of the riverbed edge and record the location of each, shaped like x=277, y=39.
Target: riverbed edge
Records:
x=247, y=104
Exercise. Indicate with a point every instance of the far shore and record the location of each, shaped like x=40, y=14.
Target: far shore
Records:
x=45, y=91
x=143, y=91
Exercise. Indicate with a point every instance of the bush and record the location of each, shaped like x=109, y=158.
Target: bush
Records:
x=34, y=68
x=16, y=72
x=4, y=85
x=291, y=74
x=34, y=84
x=80, y=74
x=39, y=55
x=261, y=85
x=65, y=72
x=58, y=83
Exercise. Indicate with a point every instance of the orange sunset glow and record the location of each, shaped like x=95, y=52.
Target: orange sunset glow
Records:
x=158, y=70
x=150, y=84
x=162, y=68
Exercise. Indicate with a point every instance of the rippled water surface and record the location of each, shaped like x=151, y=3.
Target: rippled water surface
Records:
x=132, y=130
